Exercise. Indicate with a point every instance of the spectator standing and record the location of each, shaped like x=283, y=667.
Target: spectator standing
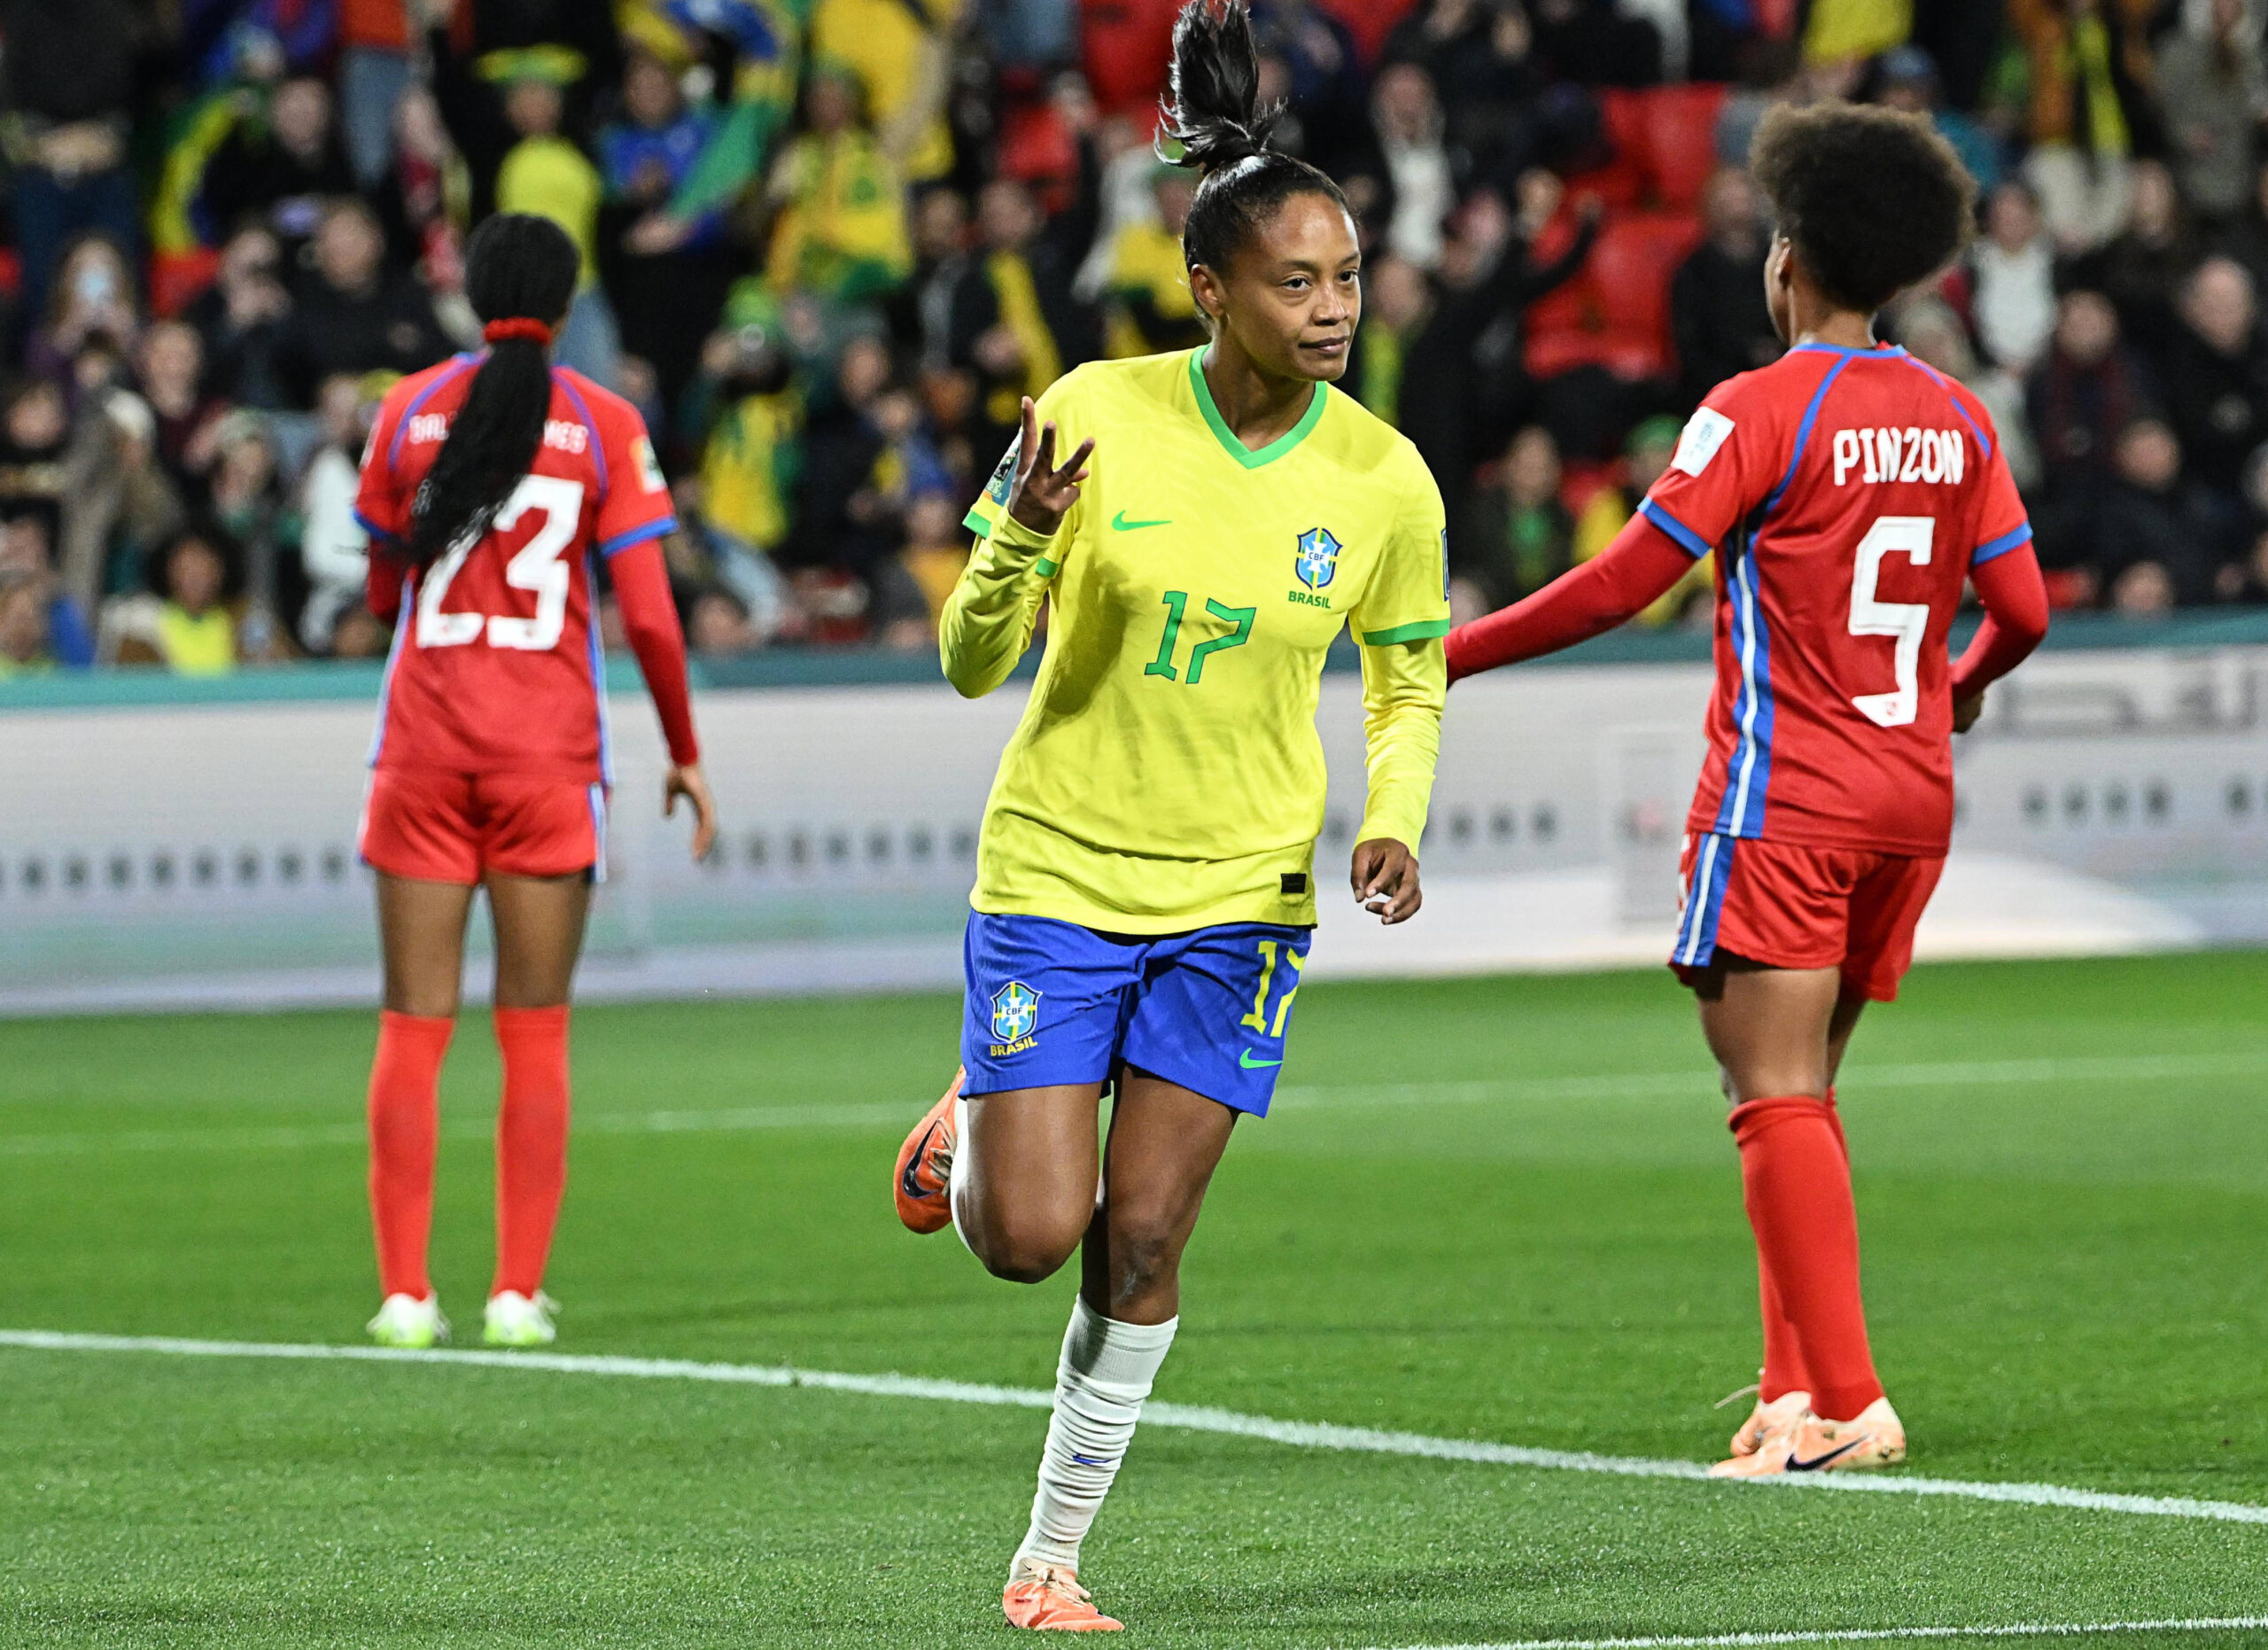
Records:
x=2012, y=280
x=279, y=165
x=1399, y=176
x=374, y=75
x=351, y=313
x=546, y=176
x=1017, y=317
x=898, y=51
x=1716, y=298
x=2217, y=382
x=1151, y=310
x=666, y=279
x=839, y=226
x=423, y=195
x=2084, y=392
x=2088, y=62
x=241, y=317
x=2211, y=85
x=2142, y=270
x=334, y=548
x=68, y=80
x=1908, y=80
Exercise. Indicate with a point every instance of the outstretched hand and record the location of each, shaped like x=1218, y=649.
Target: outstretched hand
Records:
x=1385, y=877
x=1044, y=494
x=689, y=783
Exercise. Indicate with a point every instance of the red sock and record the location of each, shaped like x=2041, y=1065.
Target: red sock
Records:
x=1784, y=1353
x=1796, y=1184
x=531, y=1142
x=404, y=1119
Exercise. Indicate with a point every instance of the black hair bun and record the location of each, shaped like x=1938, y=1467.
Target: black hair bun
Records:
x=1213, y=117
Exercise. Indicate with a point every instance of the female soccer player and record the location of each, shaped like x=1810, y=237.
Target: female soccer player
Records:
x=1846, y=490
x=1144, y=894
x=489, y=482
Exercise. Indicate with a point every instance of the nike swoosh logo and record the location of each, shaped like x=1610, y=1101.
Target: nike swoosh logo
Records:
x=1818, y=1461
x=912, y=1188
x=1250, y=1064
x=1121, y=524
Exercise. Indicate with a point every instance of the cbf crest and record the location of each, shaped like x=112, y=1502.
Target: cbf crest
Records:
x=1015, y=1016
x=1318, y=558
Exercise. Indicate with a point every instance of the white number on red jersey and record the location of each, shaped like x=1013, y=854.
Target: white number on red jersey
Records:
x=1905, y=621
x=537, y=567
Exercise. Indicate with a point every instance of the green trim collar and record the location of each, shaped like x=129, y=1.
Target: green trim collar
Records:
x=1219, y=425
x=1424, y=630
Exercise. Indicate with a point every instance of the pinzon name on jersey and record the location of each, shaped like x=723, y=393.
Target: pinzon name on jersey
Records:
x=564, y=434
x=1893, y=455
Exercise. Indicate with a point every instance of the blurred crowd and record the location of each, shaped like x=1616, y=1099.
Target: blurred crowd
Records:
x=829, y=243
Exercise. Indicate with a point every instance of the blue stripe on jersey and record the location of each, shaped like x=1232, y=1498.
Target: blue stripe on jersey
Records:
x=637, y=535
x=598, y=832
x=373, y=529
x=598, y=442
x=1748, y=775
x=1705, y=902
x=1692, y=542
x=1952, y=400
x=598, y=672
x=401, y=424
x=2000, y=545
x=405, y=616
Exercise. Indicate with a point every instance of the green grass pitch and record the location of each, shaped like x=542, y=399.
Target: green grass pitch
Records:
x=2062, y=1177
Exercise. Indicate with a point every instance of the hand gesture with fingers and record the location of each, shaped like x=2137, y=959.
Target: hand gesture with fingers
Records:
x=1044, y=494
x=1385, y=876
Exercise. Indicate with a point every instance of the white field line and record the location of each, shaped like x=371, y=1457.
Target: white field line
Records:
x=1181, y=1417
x=1292, y=1100
x=1860, y=1635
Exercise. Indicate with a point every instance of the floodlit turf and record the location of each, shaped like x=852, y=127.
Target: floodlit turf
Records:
x=2064, y=1269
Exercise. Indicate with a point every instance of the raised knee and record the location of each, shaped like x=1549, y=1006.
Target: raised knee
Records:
x=1024, y=1250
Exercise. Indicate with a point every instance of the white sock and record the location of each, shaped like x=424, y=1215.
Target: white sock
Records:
x=1104, y=1374
x=956, y=1180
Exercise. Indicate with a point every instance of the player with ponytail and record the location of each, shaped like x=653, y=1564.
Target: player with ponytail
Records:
x=1145, y=894
x=491, y=486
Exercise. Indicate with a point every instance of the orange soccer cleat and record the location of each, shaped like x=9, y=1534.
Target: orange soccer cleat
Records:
x=1767, y=1420
x=1048, y=1599
x=1873, y=1437
x=923, y=1186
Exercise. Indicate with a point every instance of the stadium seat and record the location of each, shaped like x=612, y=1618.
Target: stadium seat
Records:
x=12, y=272
x=1035, y=144
x=1125, y=46
x=1372, y=20
x=1681, y=127
x=177, y=279
x=1630, y=270
x=1621, y=180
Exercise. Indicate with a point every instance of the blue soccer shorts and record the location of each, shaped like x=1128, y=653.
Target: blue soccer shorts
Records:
x=1051, y=1002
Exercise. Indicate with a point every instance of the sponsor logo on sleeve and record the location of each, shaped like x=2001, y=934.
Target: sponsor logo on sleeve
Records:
x=1004, y=473
x=1697, y=443
x=649, y=469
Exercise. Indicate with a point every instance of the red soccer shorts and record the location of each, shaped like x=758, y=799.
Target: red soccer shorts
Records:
x=1790, y=907
x=436, y=827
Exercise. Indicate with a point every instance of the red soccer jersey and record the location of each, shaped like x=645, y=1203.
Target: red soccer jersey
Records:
x=1847, y=494
x=496, y=662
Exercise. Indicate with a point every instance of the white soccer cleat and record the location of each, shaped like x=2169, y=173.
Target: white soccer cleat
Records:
x=404, y=1320
x=516, y=1319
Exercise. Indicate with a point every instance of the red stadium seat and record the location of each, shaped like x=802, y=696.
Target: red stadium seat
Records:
x=1631, y=267
x=12, y=272
x=1036, y=145
x=1680, y=124
x=1622, y=180
x=177, y=279
x=1372, y=20
x=1125, y=45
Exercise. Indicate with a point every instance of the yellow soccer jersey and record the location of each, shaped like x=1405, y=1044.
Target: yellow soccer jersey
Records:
x=1166, y=774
